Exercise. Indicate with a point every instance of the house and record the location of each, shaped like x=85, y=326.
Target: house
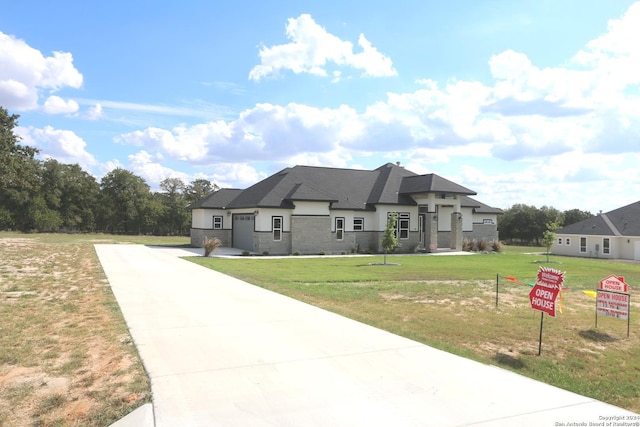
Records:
x=611, y=235
x=311, y=210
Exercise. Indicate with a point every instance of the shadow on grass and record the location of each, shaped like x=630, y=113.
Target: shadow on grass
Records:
x=596, y=336
x=510, y=361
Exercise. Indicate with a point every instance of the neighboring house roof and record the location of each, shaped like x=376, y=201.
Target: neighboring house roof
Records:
x=350, y=189
x=624, y=221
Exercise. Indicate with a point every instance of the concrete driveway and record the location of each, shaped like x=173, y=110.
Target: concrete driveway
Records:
x=222, y=352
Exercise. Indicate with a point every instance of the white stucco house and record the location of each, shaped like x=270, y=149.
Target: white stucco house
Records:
x=311, y=210
x=611, y=235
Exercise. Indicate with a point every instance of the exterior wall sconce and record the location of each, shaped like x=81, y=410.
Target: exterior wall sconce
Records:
x=256, y=212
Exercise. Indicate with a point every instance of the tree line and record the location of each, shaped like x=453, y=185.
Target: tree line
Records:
x=50, y=196
x=529, y=225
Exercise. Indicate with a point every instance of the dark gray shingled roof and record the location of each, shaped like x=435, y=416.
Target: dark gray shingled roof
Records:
x=624, y=221
x=479, y=207
x=218, y=199
x=351, y=189
x=432, y=183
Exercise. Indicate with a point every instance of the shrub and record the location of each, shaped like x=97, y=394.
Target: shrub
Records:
x=265, y=253
x=482, y=246
x=496, y=246
x=246, y=253
x=211, y=244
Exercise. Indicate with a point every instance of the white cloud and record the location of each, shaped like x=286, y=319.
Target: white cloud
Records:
x=312, y=49
x=25, y=74
x=615, y=55
x=150, y=168
x=95, y=112
x=62, y=145
x=56, y=105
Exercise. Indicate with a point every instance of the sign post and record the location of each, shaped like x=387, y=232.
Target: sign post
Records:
x=544, y=294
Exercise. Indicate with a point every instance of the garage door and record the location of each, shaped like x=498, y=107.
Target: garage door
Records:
x=243, y=227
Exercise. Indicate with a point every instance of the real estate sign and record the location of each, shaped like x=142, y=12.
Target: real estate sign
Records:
x=546, y=290
x=615, y=284
x=613, y=304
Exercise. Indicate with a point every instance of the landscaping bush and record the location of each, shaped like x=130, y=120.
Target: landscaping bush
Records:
x=210, y=245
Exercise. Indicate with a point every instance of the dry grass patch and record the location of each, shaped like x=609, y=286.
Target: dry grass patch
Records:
x=66, y=357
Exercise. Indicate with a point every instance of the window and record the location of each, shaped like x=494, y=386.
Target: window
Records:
x=217, y=222
x=606, y=245
x=560, y=241
x=403, y=225
x=567, y=241
x=583, y=244
x=339, y=228
x=276, y=225
x=358, y=224
x=487, y=221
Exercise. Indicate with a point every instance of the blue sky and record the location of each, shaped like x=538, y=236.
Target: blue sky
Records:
x=534, y=102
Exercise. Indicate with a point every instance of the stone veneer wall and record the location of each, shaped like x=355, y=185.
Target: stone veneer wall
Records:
x=198, y=235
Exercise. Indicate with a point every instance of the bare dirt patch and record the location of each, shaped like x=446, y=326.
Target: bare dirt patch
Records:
x=66, y=357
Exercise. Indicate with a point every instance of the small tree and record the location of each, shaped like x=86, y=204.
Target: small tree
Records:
x=390, y=240
x=549, y=237
x=210, y=245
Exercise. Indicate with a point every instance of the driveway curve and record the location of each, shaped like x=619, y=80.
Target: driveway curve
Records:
x=222, y=352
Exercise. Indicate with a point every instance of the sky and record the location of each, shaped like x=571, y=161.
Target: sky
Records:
x=530, y=101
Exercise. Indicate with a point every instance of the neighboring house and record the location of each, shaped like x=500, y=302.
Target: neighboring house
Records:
x=612, y=235
x=311, y=210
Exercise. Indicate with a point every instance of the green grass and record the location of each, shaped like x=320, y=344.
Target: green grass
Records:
x=449, y=302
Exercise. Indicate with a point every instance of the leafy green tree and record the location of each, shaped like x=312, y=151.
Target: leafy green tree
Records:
x=575, y=215
x=175, y=217
x=72, y=193
x=125, y=203
x=19, y=178
x=390, y=238
x=198, y=189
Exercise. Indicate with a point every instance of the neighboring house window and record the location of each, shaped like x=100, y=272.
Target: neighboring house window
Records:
x=583, y=244
x=567, y=241
x=560, y=241
x=487, y=221
x=217, y=222
x=358, y=224
x=339, y=228
x=605, y=245
x=276, y=225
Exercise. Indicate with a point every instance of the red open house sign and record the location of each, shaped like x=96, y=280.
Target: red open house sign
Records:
x=546, y=290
